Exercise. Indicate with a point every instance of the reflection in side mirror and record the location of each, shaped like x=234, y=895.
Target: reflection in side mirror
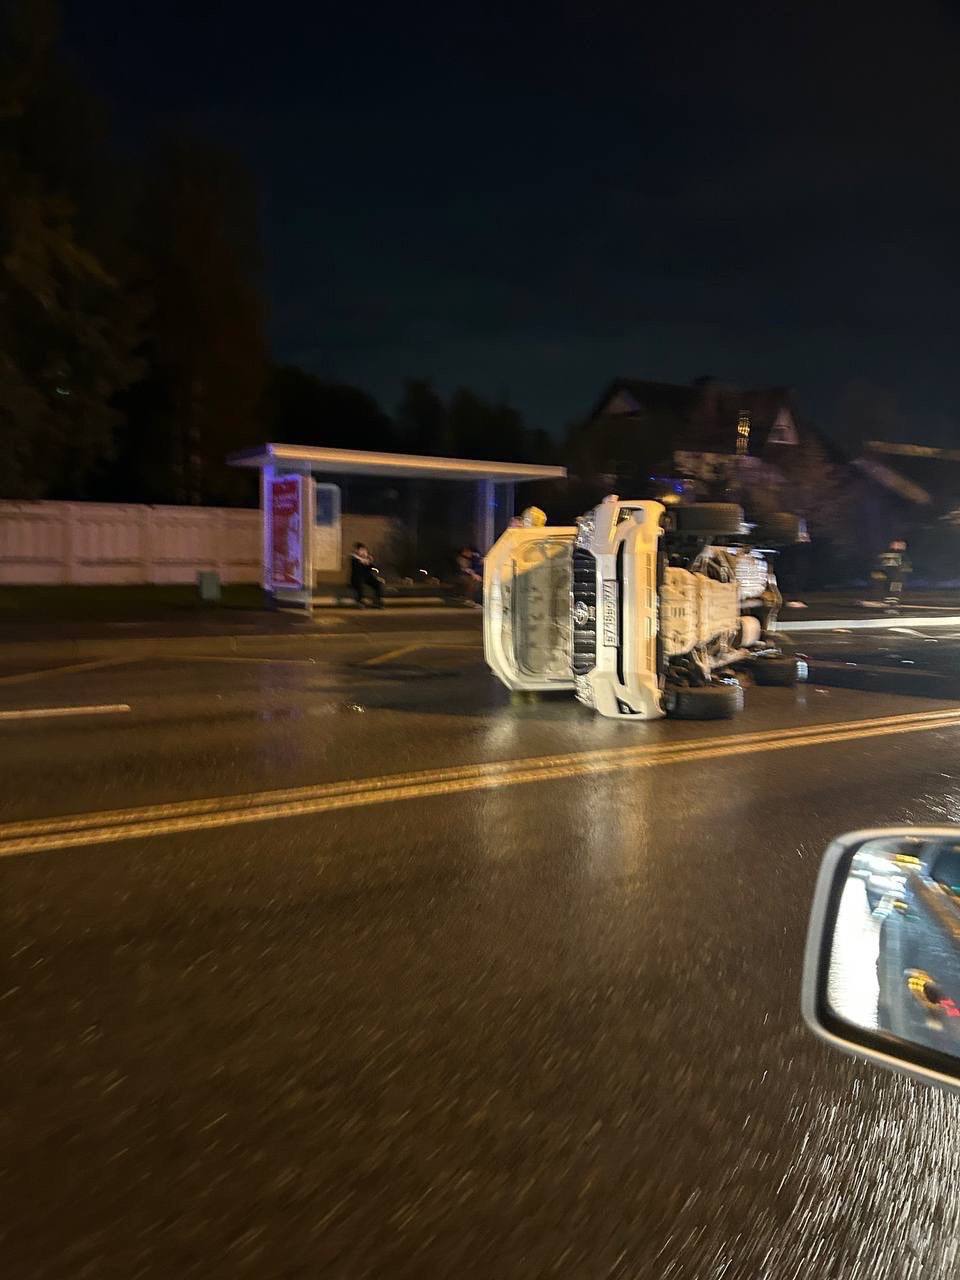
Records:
x=882, y=968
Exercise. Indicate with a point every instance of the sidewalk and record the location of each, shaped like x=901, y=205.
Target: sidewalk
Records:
x=142, y=602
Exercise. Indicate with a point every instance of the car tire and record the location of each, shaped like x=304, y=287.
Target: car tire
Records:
x=718, y=701
x=709, y=517
x=781, y=673
x=780, y=529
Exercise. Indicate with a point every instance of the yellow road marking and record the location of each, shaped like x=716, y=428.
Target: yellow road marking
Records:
x=186, y=808
x=455, y=644
x=94, y=664
x=389, y=657
x=158, y=820
x=224, y=657
x=46, y=713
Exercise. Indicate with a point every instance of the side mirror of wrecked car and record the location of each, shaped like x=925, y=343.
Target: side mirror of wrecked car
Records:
x=881, y=975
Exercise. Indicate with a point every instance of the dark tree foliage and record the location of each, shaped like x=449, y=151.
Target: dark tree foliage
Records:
x=300, y=408
x=468, y=426
x=132, y=348
x=69, y=325
x=195, y=232
x=422, y=420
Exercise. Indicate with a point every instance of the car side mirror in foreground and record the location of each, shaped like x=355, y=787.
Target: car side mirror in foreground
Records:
x=881, y=975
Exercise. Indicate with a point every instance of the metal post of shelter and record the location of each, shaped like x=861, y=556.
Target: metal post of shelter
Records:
x=486, y=510
x=266, y=575
x=509, y=490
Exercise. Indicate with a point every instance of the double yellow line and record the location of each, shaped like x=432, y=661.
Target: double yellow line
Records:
x=108, y=827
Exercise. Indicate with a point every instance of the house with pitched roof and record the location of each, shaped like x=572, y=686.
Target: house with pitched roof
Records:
x=705, y=416
x=640, y=432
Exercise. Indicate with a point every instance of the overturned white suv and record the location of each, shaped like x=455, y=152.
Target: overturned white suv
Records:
x=639, y=609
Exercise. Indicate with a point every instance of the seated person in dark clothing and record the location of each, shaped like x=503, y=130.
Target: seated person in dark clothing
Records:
x=364, y=576
x=468, y=577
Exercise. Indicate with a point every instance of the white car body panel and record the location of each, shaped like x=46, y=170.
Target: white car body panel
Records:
x=625, y=679
x=526, y=608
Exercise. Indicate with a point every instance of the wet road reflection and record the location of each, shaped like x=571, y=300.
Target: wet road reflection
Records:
x=541, y=1030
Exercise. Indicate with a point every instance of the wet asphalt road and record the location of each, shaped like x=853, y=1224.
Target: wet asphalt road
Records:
x=543, y=1028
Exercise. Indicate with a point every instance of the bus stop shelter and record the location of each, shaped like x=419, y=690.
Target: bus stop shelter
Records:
x=301, y=518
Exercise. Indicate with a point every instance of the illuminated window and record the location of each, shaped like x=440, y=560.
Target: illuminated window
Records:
x=743, y=433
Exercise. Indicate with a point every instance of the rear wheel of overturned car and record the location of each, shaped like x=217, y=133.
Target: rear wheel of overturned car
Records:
x=783, y=672
x=709, y=517
x=716, y=701
x=780, y=529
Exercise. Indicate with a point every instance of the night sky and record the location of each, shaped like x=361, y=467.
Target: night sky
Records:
x=531, y=200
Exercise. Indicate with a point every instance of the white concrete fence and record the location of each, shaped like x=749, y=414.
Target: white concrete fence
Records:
x=90, y=542
x=107, y=542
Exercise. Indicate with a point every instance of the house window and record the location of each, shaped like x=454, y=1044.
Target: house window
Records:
x=743, y=433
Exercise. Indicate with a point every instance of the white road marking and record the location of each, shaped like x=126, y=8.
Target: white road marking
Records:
x=868, y=624
x=48, y=713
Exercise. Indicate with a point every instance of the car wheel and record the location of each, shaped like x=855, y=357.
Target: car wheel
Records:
x=779, y=529
x=709, y=517
x=783, y=673
x=718, y=701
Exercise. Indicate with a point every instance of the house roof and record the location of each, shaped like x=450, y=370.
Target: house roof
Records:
x=925, y=468
x=762, y=403
x=655, y=397
x=894, y=480
x=706, y=411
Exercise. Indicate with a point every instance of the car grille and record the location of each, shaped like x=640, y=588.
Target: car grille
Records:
x=584, y=592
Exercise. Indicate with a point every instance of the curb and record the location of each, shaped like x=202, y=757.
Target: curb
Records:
x=876, y=679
